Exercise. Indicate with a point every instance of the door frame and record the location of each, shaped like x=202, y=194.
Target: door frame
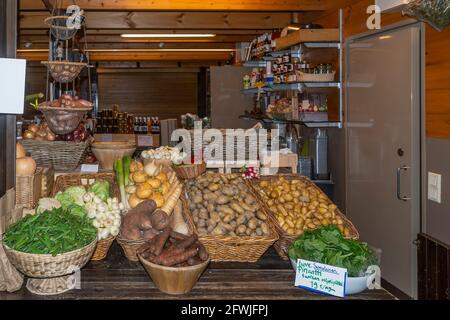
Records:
x=419, y=220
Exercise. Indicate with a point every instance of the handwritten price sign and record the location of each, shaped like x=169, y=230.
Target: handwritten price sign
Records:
x=321, y=278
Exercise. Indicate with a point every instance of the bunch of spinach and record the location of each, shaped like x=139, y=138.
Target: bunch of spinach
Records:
x=51, y=232
x=328, y=246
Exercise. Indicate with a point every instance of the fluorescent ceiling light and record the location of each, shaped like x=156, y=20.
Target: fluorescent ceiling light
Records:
x=168, y=35
x=293, y=28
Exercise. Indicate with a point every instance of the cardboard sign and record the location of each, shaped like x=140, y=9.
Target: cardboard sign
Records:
x=321, y=278
x=12, y=85
x=145, y=141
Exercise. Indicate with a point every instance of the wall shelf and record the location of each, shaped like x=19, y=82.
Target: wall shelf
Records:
x=297, y=86
x=308, y=36
x=308, y=124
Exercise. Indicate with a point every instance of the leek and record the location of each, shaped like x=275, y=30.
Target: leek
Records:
x=118, y=168
x=126, y=169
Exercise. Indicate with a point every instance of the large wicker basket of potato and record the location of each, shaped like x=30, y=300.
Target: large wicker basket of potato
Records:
x=229, y=218
x=296, y=204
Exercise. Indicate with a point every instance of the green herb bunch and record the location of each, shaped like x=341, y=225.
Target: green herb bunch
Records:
x=51, y=232
x=328, y=246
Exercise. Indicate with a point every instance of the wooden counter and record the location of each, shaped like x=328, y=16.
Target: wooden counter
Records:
x=117, y=278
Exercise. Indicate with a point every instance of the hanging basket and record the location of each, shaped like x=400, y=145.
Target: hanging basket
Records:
x=64, y=71
x=59, y=27
x=63, y=120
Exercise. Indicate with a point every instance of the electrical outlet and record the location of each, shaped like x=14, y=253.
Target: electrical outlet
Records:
x=434, y=187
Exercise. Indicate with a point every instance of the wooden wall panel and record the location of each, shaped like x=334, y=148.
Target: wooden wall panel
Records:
x=166, y=95
x=437, y=63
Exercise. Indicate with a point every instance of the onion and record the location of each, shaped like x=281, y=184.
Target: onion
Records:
x=20, y=151
x=28, y=135
x=25, y=166
x=42, y=133
x=51, y=136
x=33, y=128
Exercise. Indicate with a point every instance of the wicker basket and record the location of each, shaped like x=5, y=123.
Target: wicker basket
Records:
x=28, y=189
x=130, y=247
x=286, y=239
x=236, y=249
x=64, y=71
x=189, y=171
x=48, y=180
x=51, y=273
x=63, y=120
x=103, y=246
x=83, y=179
x=63, y=156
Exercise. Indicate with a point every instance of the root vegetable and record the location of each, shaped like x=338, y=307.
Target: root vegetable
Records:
x=159, y=241
x=159, y=220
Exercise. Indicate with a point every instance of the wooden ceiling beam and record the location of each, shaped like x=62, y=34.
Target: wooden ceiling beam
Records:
x=115, y=32
x=193, y=5
x=118, y=45
x=129, y=20
x=138, y=56
x=117, y=39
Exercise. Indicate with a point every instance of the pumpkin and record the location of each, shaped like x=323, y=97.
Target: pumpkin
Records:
x=25, y=166
x=20, y=151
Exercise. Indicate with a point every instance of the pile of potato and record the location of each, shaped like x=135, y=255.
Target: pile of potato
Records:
x=299, y=206
x=222, y=205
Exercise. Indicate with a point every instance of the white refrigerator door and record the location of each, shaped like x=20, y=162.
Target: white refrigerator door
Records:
x=383, y=147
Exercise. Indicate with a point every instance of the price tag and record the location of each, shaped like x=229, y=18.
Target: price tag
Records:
x=145, y=140
x=89, y=168
x=321, y=278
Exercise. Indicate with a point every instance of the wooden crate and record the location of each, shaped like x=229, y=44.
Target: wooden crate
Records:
x=308, y=35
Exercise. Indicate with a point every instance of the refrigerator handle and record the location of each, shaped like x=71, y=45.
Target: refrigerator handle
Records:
x=399, y=184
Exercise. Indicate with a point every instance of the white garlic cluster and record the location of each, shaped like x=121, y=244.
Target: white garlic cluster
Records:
x=106, y=215
x=165, y=153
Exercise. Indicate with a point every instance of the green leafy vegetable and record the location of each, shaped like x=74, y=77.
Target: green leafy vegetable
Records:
x=328, y=246
x=72, y=195
x=77, y=210
x=101, y=189
x=51, y=232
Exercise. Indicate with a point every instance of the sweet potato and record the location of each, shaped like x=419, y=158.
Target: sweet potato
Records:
x=137, y=220
x=150, y=234
x=159, y=220
x=159, y=241
x=188, y=242
x=202, y=253
x=179, y=258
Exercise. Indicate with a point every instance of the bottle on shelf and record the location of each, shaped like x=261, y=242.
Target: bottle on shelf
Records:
x=136, y=125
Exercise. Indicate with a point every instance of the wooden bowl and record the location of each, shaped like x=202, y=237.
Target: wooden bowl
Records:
x=174, y=281
x=107, y=152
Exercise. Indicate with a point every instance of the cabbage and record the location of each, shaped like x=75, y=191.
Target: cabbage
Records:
x=101, y=190
x=77, y=210
x=72, y=195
